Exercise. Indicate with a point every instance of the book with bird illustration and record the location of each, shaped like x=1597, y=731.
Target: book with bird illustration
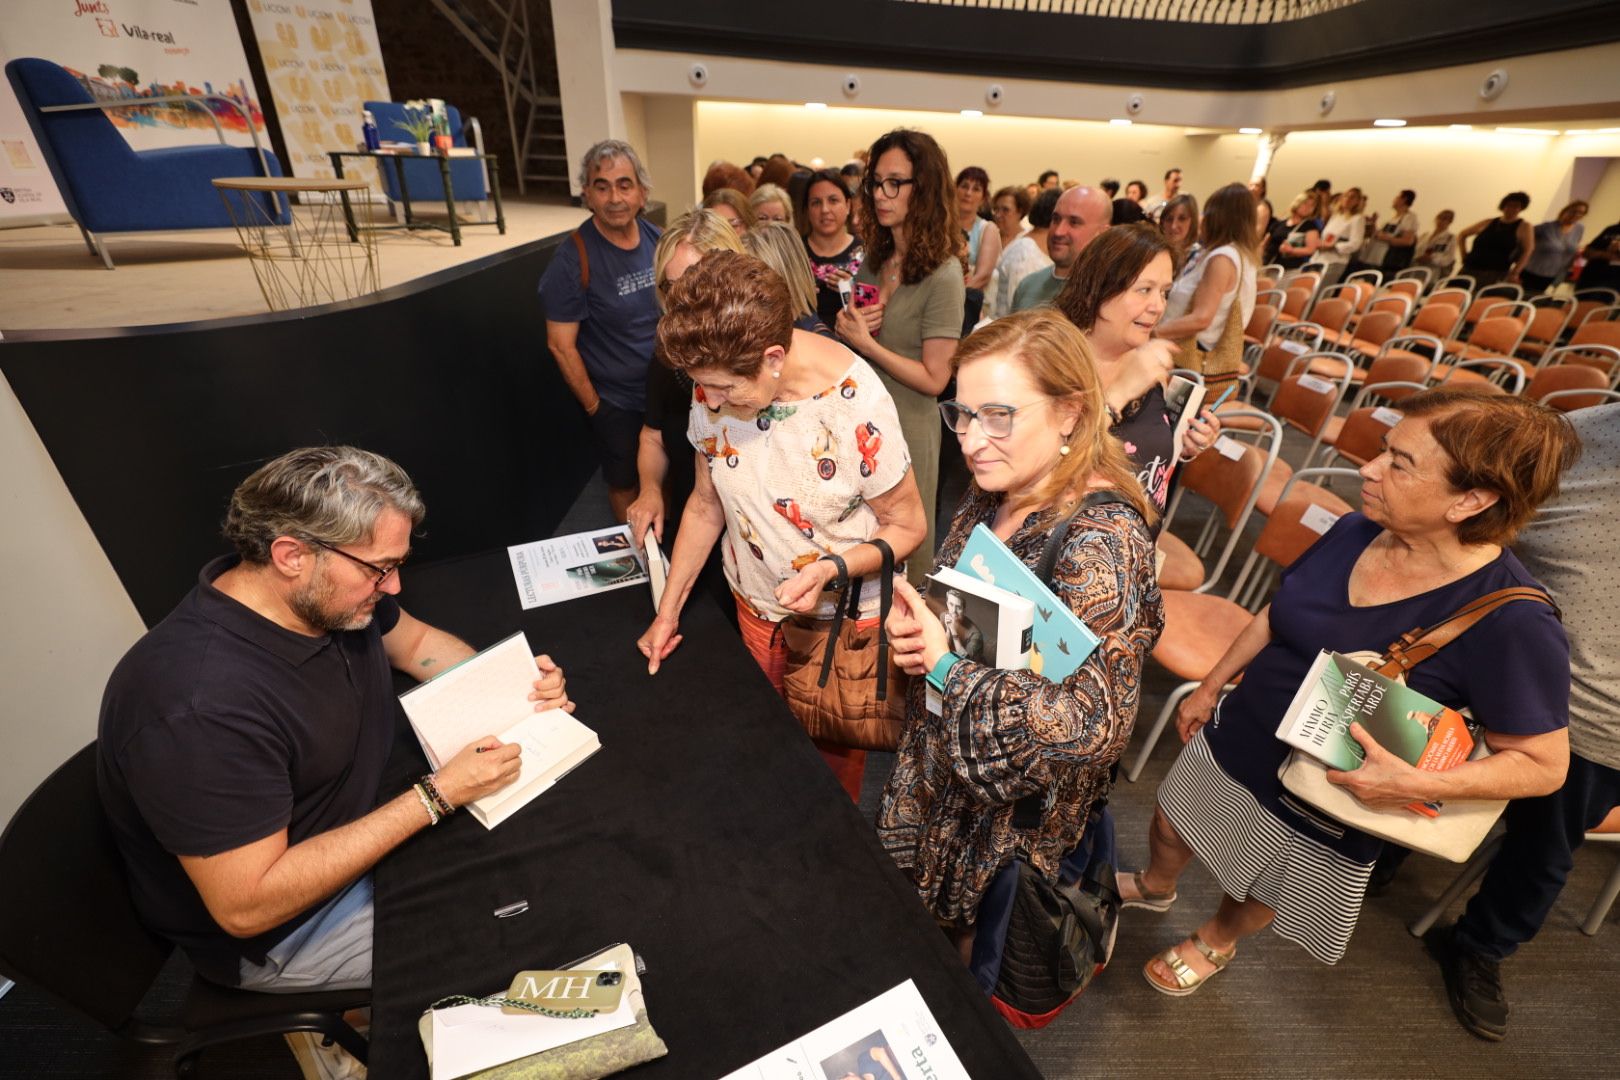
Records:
x=1061, y=642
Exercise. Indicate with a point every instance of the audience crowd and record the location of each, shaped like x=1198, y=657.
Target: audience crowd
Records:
x=768, y=381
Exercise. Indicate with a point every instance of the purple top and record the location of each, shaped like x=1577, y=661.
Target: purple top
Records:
x=1510, y=670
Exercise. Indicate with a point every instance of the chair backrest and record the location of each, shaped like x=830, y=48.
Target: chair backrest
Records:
x=1377, y=327
x=67, y=924
x=1466, y=282
x=80, y=147
x=1297, y=300
x=1334, y=313
x=1436, y=318
x=1303, y=513
x=1495, y=373
x=1411, y=287
x=1596, y=332
x=1590, y=300
x=1499, y=334
x=1233, y=482
x=1560, y=377
x=1260, y=321
x=1360, y=438
x=1605, y=358
x=1398, y=301
x=1421, y=274
x=1373, y=278
x=1570, y=400
x=1492, y=294
x=1265, y=284
x=1311, y=390
x=1288, y=341
x=1550, y=318
x=1401, y=359
x=1274, y=271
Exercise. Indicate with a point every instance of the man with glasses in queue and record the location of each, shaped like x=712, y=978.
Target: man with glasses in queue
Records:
x=242, y=740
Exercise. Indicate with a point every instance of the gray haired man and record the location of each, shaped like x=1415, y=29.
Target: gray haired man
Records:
x=602, y=309
x=242, y=740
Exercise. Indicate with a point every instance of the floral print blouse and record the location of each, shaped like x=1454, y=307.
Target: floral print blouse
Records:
x=947, y=812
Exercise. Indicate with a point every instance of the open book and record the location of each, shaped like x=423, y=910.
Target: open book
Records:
x=1338, y=691
x=489, y=694
x=982, y=622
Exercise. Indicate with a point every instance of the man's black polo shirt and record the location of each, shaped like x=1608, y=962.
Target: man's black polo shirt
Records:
x=219, y=728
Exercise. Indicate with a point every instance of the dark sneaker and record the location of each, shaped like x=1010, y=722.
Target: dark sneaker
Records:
x=1473, y=983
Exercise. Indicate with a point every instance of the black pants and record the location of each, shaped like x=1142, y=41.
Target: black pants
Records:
x=1534, y=284
x=1527, y=875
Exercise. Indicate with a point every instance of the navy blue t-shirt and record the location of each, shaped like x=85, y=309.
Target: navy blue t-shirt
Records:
x=1510, y=670
x=220, y=728
x=617, y=316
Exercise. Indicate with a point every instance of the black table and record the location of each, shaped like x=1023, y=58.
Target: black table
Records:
x=411, y=222
x=707, y=833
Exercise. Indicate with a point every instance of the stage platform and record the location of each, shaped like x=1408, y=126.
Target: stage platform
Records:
x=50, y=281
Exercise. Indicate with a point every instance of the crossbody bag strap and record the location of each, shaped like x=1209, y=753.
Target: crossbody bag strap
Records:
x=584, y=261
x=852, y=600
x=1419, y=644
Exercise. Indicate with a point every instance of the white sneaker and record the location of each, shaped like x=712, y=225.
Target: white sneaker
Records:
x=322, y=1059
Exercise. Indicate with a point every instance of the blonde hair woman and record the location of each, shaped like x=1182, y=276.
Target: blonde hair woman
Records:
x=732, y=205
x=1031, y=421
x=664, y=460
x=779, y=247
x=771, y=203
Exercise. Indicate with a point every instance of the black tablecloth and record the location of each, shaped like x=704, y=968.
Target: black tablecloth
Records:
x=707, y=833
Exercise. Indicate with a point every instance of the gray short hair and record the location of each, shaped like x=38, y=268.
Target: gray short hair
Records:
x=600, y=155
x=332, y=494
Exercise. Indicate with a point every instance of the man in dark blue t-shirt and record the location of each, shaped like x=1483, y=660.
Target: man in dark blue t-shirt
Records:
x=242, y=740
x=602, y=310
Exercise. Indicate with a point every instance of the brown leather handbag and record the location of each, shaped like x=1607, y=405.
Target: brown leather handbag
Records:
x=841, y=681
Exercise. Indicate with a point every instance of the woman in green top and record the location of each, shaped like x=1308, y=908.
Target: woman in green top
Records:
x=915, y=263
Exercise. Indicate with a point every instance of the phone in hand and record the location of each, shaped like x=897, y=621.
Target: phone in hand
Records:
x=846, y=291
x=866, y=294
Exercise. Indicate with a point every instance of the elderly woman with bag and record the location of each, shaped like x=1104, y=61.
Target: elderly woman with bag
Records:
x=1003, y=782
x=1459, y=476
x=803, y=470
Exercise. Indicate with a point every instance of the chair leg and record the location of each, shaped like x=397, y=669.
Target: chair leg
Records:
x=1471, y=872
x=1601, y=906
x=1157, y=729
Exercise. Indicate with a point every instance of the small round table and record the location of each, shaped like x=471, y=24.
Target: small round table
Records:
x=301, y=259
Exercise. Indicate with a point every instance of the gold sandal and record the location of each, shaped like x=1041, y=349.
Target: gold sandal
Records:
x=1156, y=902
x=1187, y=980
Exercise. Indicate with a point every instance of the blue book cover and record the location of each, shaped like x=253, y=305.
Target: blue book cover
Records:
x=1062, y=641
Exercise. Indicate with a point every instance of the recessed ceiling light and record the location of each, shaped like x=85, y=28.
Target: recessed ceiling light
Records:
x=1248, y=131
x=1461, y=127
x=1525, y=131
x=972, y=114
x=1120, y=121
x=815, y=104
x=1389, y=123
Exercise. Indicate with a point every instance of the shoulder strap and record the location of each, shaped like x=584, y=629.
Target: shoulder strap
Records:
x=1419, y=644
x=584, y=259
x=853, y=597
x=1059, y=534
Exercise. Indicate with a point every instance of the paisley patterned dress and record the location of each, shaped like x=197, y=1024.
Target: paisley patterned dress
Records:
x=947, y=813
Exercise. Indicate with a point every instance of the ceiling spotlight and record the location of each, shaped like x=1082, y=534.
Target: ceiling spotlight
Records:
x=972, y=114
x=1248, y=131
x=1389, y=123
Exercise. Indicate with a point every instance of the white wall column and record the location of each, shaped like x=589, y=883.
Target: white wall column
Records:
x=1270, y=143
x=671, y=151
x=592, y=110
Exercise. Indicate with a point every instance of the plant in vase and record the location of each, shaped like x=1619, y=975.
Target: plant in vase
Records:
x=418, y=124
x=441, y=125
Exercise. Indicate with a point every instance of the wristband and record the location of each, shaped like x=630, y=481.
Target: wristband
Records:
x=427, y=804
x=433, y=793
x=942, y=671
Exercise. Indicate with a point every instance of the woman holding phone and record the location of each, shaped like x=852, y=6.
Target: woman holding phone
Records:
x=835, y=254
x=1116, y=294
x=909, y=297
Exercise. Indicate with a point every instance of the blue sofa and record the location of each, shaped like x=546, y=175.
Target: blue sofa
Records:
x=111, y=188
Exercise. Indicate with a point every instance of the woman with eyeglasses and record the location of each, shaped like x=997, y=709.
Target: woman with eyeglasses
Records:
x=910, y=294
x=1016, y=761
x=835, y=254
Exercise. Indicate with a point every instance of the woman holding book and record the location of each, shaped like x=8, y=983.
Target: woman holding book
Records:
x=1459, y=476
x=1016, y=761
x=804, y=465
x=1116, y=295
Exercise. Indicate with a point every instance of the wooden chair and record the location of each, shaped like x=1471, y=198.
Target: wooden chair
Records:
x=1356, y=436
x=1498, y=332
x=1409, y=287
x=1333, y=314
x=1600, y=327
x=1546, y=326
x=1306, y=399
x=1466, y=282
x=1500, y=374
x=1588, y=301
x=1373, y=278
x=1437, y=317
x=1570, y=400
x=1199, y=627
x=1287, y=341
x=1605, y=358
x=1274, y=271
x=1296, y=302
x=1606, y=832
x=1229, y=476
x=1372, y=333
x=1484, y=298
x=1421, y=274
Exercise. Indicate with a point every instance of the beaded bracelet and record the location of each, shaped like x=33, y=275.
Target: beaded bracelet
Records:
x=445, y=809
x=427, y=804
x=513, y=1003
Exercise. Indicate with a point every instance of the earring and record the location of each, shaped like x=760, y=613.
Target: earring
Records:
x=776, y=374
x=1064, y=450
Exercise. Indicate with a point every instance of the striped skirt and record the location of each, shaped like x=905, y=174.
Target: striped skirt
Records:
x=1315, y=891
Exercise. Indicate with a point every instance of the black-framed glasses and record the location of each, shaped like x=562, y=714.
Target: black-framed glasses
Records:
x=995, y=420
x=383, y=573
x=889, y=185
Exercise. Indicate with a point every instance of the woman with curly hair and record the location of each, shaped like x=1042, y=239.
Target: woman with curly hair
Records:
x=910, y=293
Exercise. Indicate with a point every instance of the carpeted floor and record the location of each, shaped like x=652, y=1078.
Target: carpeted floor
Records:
x=1275, y=1012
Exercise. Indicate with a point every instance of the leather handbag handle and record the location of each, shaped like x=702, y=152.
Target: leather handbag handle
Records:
x=853, y=595
x=1418, y=644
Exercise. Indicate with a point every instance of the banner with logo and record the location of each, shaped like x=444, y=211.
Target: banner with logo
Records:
x=125, y=50
x=322, y=62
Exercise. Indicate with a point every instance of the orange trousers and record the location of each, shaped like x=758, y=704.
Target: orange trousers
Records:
x=769, y=649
